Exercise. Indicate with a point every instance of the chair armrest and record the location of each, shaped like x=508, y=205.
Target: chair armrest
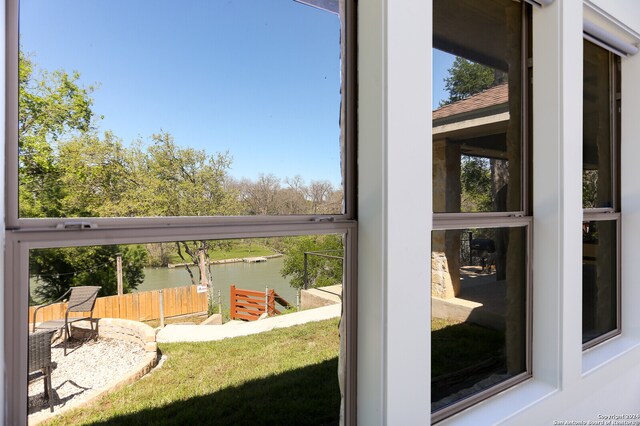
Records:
x=45, y=305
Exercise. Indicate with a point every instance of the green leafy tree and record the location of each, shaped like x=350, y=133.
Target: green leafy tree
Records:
x=475, y=180
x=321, y=271
x=96, y=173
x=52, y=107
x=176, y=181
x=590, y=189
x=62, y=268
x=467, y=78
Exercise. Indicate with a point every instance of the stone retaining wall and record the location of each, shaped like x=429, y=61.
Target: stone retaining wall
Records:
x=112, y=328
x=121, y=329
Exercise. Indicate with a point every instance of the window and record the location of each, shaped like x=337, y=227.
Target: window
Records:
x=600, y=195
x=482, y=217
x=215, y=118
x=66, y=182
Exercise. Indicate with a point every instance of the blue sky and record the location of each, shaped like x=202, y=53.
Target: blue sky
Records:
x=442, y=61
x=257, y=78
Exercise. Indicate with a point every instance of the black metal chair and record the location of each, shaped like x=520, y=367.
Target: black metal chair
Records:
x=40, y=365
x=81, y=299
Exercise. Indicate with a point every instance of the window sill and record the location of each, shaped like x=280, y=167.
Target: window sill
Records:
x=502, y=406
x=604, y=353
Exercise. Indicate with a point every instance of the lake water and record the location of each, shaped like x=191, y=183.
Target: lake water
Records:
x=248, y=276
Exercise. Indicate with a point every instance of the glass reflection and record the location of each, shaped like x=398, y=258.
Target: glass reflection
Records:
x=477, y=143
x=478, y=300
x=599, y=279
x=597, y=183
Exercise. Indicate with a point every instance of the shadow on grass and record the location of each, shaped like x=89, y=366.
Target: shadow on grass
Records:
x=306, y=396
x=463, y=355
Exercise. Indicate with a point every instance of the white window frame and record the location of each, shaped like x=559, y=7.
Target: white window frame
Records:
x=24, y=234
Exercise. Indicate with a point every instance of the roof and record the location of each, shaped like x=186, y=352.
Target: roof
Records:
x=493, y=96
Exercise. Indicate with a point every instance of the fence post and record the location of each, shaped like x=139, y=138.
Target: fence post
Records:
x=306, y=284
x=161, y=309
x=232, y=301
x=266, y=300
x=203, y=268
x=119, y=272
x=272, y=302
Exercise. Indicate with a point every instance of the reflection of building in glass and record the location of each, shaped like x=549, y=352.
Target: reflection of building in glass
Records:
x=475, y=283
x=473, y=128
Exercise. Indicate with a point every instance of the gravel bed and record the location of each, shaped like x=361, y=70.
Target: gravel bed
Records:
x=88, y=367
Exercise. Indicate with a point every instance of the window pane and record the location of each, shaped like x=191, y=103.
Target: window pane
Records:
x=599, y=279
x=147, y=109
x=597, y=182
x=477, y=101
x=293, y=371
x=478, y=302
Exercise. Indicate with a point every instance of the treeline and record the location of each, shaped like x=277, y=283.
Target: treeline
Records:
x=68, y=169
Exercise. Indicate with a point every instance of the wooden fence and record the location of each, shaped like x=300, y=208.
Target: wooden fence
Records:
x=250, y=304
x=141, y=306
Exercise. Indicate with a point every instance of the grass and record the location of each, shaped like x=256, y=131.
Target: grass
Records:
x=456, y=345
x=285, y=376
x=238, y=251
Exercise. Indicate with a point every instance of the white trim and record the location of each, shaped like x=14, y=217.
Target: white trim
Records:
x=539, y=3
x=607, y=20
x=608, y=40
x=372, y=53
x=407, y=204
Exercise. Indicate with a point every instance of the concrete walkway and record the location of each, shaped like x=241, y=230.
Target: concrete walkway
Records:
x=204, y=333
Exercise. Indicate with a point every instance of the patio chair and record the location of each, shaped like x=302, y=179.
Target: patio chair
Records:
x=40, y=361
x=81, y=299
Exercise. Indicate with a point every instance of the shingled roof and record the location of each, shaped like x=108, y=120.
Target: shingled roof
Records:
x=496, y=95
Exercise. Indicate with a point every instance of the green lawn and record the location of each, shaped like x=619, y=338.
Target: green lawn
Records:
x=286, y=376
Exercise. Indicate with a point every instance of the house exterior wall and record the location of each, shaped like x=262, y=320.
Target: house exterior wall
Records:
x=395, y=223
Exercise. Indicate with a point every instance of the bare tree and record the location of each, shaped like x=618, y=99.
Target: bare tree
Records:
x=261, y=195
x=318, y=192
x=292, y=198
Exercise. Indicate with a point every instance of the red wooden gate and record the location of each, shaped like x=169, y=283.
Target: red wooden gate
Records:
x=250, y=304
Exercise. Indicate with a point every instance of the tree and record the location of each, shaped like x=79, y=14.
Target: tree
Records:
x=319, y=193
x=103, y=178
x=321, y=271
x=475, y=180
x=96, y=174
x=183, y=181
x=62, y=268
x=51, y=108
x=590, y=189
x=261, y=196
x=467, y=78
x=292, y=198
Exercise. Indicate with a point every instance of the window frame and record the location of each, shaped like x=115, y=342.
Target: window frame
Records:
x=24, y=234
x=348, y=116
x=610, y=214
x=506, y=219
